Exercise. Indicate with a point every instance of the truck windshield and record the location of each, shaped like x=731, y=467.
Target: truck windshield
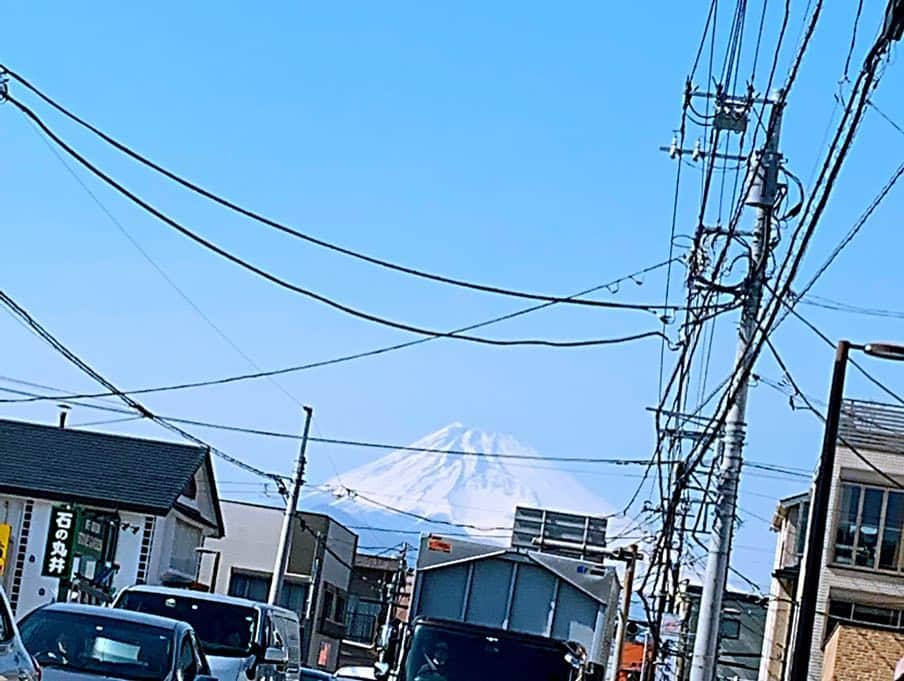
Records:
x=438, y=654
x=224, y=629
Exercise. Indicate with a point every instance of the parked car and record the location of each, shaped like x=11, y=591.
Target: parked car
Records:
x=243, y=640
x=358, y=673
x=74, y=642
x=308, y=674
x=15, y=662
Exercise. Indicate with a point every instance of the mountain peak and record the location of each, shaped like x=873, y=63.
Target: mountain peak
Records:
x=467, y=478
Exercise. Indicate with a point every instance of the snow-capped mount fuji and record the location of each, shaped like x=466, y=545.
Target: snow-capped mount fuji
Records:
x=477, y=492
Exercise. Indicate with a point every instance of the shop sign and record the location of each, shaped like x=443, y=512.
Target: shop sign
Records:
x=91, y=536
x=5, y=534
x=57, y=559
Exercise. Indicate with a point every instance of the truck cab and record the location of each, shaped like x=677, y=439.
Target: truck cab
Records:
x=445, y=650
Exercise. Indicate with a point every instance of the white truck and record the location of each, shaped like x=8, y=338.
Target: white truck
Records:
x=486, y=613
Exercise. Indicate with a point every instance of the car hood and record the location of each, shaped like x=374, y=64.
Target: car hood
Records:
x=61, y=674
x=228, y=668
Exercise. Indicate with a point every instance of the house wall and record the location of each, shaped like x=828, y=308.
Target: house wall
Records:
x=780, y=613
x=862, y=585
x=22, y=579
x=861, y=654
x=250, y=544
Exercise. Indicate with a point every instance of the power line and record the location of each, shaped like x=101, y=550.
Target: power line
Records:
x=634, y=276
x=162, y=272
x=136, y=406
x=301, y=235
x=283, y=283
x=822, y=418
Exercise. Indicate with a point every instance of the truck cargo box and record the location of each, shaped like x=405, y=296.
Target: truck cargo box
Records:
x=517, y=590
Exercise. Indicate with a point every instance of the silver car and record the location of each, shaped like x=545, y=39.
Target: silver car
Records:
x=75, y=642
x=15, y=662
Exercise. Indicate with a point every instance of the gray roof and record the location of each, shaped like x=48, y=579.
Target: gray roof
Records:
x=112, y=471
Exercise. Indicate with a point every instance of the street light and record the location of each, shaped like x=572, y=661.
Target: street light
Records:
x=819, y=504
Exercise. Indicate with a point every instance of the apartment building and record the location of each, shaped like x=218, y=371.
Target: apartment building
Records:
x=861, y=580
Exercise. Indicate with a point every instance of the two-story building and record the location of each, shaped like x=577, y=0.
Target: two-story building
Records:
x=84, y=514
x=321, y=560
x=740, y=638
x=861, y=580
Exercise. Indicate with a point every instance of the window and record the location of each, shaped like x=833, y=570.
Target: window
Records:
x=6, y=627
x=361, y=619
x=858, y=613
x=186, y=667
x=731, y=628
x=185, y=540
x=870, y=523
x=293, y=596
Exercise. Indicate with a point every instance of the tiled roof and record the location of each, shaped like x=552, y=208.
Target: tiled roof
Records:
x=113, y=471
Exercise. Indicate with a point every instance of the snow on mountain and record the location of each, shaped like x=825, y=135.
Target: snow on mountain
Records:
x=478, y=492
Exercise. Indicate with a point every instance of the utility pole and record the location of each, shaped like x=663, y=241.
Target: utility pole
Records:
x=762, y=196
x=285, y=538
x=816, y=527
x=631, y=560
x=394, y=593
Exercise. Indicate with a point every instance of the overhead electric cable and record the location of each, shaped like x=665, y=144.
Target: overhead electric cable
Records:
x=347, y=358
x=293, y=232
x=282, y=283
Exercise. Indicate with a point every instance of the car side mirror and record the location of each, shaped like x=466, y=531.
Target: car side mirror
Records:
x=381, y=671
x=275, y=655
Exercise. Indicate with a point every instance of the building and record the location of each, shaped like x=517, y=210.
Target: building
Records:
x=862, y=654
x=741, y=636
x=370, y=591
x=861, y=582
x=322, y=554
x=84, y=514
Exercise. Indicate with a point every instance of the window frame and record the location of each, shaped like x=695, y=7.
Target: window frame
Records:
x=840, y=514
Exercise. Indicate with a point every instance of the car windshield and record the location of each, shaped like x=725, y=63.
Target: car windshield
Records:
x=224, y=629
x=439, y=654
x=104, y=646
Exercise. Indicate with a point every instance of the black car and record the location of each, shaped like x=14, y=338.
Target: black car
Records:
x=313, y=675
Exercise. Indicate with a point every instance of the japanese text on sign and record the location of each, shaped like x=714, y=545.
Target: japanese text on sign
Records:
x=58, y=550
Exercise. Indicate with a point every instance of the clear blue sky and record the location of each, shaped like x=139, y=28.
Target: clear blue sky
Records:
x=510, y=143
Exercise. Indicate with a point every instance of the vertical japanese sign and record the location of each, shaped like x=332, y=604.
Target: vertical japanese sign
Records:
x=5, y=534
x=57, y=560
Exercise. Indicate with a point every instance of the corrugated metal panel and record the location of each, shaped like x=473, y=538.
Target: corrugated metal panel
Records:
x=872, y=425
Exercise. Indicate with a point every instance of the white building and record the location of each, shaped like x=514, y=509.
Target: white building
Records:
x=322, y=553
x=122, y=510
x=862, y=574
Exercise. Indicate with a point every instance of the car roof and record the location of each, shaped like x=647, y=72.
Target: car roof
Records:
x=117, y=614
x=205, y=596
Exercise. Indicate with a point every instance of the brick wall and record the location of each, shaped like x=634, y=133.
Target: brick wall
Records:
x=860, y=654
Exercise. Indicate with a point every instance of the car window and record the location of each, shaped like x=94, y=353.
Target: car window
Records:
x=6, y=622
x=224, y=629
x=98, y=645
x=187, y=663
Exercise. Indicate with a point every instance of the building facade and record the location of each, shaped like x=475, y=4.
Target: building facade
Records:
x=84, y=514
x=317, y=578
x=862, y=654
x=861, y=580
x=375, y=582
x=740, y=639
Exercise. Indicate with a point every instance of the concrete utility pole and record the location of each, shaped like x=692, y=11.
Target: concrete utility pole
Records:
x=394, y=593
x=285, y=538
x=762, y=196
